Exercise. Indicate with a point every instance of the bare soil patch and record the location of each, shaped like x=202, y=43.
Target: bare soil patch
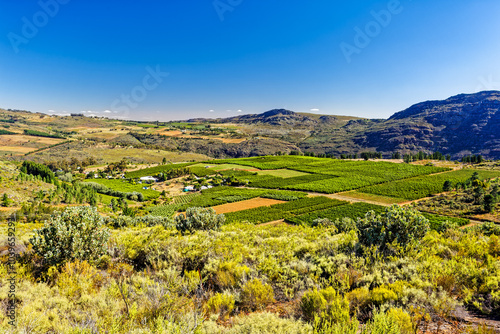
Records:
x=245, y=205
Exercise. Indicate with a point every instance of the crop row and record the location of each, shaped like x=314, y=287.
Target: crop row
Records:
x=436, y=222
x=220, y=195
x=272, y=182
x=164, y=210
x=155, y=170
x=350, y=210
x=281, y=211
x=424, y=186
x=126, y=187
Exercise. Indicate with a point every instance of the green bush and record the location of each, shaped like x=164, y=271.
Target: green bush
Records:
x=397, y=225
x=199, y=219
x=256, y=295
x=78, y=233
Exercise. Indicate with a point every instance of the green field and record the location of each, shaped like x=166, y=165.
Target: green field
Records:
x=424, y=186
x=223, y=195
x=324, y=175
x=348, y=210
x=283, y=173
x=282, y=211
x=127, y=187
x=155, y=170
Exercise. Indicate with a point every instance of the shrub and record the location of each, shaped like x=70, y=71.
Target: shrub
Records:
x=262, y=323
x=385, y=323
x=397, y=224
x=78, y=233
x=382, y=295
x=256, y=295
x=78, y=278
x=199, y=219
x=220, y=303
x=325, y=306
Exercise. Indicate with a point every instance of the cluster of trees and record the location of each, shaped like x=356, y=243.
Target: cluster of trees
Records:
x=71, y=164
x=172, y=174
x=474, y=159
x=119, y=166
x=36, y=169
x=42, y=134
x=371, y=155
x=483, y=193
x=426, y=156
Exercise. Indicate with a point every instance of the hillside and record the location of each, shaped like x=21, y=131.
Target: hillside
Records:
x=459, y=126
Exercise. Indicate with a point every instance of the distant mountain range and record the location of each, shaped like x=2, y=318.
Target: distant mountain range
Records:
x=461, y=125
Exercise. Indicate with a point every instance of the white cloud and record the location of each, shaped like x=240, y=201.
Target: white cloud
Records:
x=211, y=110
x=107, y=111
x=239, y=110
x=314, y=110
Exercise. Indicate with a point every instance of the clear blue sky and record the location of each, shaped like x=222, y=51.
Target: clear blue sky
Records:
x=248, y=57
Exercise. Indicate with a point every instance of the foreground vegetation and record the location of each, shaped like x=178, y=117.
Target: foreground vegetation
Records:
x=119, y=255
x=327, y=279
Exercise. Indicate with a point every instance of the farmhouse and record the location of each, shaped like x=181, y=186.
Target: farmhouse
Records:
x=148, y=179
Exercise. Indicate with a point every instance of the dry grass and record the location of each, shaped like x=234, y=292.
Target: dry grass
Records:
x=245, y=205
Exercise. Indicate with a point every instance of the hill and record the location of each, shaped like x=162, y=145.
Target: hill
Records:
x=461, y=125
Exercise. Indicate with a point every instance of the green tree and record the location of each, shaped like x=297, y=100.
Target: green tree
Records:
x=448, y=185
x=489, y=203
x=78, y=233
x=6, y=201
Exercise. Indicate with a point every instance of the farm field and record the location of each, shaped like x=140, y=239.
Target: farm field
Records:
x=282, y=211
x=282, y=173
x=220, y=167
x=372, y=197
x=245, y=205
x=127, y=187
x=424, y=186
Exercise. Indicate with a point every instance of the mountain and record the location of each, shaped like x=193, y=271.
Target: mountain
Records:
x=461, y=125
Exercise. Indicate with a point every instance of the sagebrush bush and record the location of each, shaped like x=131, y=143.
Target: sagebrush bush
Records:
x=220, y=303
x=199, y=219
x=326, y=307
x=78, y=233
x=397, y=224
x=256, y=295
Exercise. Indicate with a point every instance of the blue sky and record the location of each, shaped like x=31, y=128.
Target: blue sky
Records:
x=164, y=60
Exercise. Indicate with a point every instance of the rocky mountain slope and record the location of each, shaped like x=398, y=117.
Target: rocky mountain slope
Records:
x=461, y=125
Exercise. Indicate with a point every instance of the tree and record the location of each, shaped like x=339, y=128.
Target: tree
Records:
x=199, y=219
x=6, y=201
x=78, y=233
x=447, y=186
x=489, y=203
